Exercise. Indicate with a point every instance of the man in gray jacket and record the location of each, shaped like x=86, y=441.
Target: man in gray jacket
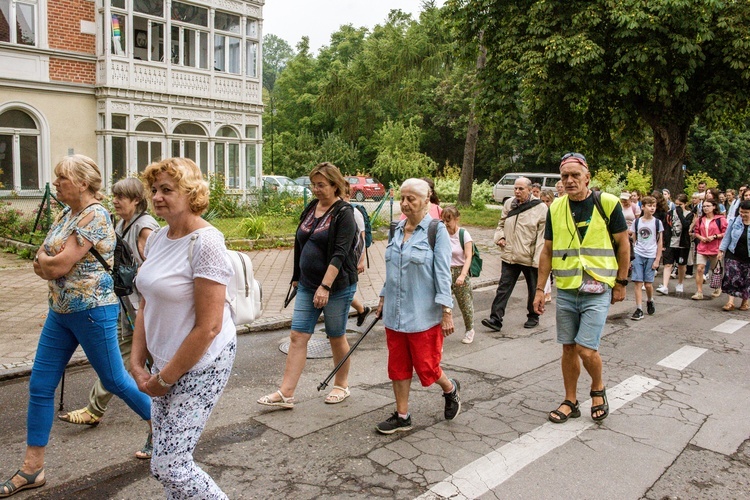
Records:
x=520, y=236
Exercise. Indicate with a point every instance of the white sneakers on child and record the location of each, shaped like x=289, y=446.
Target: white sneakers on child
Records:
x=469, y=337
x=664, y=290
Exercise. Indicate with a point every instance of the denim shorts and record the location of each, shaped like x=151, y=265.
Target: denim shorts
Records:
x=336, y=311
x=643, y=271
x=581, y=317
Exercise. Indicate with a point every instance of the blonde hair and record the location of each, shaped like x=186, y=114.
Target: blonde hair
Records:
x=332, y=173
x=186, y=175
x=81, y=169
x=133, y=189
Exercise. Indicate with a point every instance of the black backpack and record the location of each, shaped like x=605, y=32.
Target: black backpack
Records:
x=125, y=266
x=368, y=230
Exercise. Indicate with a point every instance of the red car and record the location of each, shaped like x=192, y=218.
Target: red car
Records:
x=363, y=186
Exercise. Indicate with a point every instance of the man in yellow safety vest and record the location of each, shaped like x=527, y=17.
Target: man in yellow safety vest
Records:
x=586, y=247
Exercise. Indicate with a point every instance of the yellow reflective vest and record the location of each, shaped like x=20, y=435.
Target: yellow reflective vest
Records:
x=571, y=256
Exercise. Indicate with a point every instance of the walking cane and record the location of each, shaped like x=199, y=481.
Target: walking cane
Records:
x=62, y=391
x=324, y=383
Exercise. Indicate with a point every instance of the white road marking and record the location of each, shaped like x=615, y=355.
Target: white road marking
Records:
x=730, y=326
x=681, y=358
x=491, y=470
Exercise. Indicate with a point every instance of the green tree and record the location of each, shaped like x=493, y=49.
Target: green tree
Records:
x=592, y=74
x=398, y=157
x=723, y=153
x=276, y=54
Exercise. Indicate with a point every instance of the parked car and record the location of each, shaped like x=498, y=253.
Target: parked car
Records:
x=504, y=187
x=283, y=184
x=364, y=186
x=303, y=181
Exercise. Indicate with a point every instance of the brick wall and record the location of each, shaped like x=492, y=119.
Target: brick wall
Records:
x=64, y=25
x=65, y=70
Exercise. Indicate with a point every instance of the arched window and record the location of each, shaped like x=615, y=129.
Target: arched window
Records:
x=19, y=151
x=227, y=156
x=192, y=144
x=149, y=144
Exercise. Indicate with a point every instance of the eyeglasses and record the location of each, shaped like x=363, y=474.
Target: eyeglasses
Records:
x=577, y=156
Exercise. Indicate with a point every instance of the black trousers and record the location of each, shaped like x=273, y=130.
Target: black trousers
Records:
x=508, y=278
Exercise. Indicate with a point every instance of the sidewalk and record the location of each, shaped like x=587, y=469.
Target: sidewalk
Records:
x=23, y=297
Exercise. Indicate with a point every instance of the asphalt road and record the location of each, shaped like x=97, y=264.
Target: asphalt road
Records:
x=679, y=426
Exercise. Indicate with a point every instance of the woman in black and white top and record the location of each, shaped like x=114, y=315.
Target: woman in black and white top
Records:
x=184, y=323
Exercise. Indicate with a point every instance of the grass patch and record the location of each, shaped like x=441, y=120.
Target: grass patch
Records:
x=484, y=217
x=275, y=227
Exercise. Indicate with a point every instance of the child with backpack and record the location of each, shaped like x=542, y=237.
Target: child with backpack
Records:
x=364, y=231
x=647, y=232
x=461, y=254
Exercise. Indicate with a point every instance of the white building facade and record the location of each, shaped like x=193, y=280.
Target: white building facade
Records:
x=129, y=82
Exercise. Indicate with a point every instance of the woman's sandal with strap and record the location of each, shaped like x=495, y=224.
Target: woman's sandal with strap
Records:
x=560, y=417
x=8, y=488
x=77, y=417
x=604, y=407
x=333, y=399
x=287, y=403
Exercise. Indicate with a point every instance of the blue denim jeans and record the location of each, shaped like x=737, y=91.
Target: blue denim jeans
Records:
x=336, y=311
x=581, y=317
x=95, y=330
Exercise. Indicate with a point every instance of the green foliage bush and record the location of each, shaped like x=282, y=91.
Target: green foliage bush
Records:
x=221, y=203
x=637, y=179
x=692, y=181
x=14, y=223
x=253, y=227
x=608, y=181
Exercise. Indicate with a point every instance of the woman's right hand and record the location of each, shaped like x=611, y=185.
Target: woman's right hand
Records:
x=141, y=377
x=379, y=310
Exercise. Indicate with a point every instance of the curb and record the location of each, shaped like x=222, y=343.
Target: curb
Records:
x=262, y=325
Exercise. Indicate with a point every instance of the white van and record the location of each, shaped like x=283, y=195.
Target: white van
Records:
x=504, y=187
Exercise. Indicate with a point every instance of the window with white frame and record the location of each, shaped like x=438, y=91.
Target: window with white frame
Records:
x=148, y=30
x=149, y=143
x=251, y=48
x=227, y=156
x=189, y=37
x=19, y=151
x=119, y=147
x=191, y=142
x=18, y=22
x=227, y=42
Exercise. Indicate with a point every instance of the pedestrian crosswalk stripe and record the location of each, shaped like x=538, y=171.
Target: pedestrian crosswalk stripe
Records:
x=681, y=358
x=491, y=470
x=730, y=326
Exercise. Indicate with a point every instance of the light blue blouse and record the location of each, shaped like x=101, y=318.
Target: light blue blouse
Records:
x=417, y=280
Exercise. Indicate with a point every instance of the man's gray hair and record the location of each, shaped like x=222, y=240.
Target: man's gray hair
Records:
x=418, y=186
x=528, y=183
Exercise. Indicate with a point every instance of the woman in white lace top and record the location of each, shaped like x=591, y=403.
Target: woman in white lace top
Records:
x=184, y=322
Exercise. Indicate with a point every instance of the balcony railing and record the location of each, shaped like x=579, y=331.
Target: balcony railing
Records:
x=155, y=77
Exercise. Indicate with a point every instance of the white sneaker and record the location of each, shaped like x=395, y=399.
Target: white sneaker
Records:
x=643, y=287
x=679, y=288
x=469, y=337
x=662, y=290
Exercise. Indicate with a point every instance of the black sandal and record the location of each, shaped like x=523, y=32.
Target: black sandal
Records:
x=604, y=407
x=8, y=488
x=575, y=412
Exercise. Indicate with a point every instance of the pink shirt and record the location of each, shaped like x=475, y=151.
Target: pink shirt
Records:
x=458, y=257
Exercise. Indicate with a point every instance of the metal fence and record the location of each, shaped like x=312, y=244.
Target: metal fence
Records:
x=26, y=217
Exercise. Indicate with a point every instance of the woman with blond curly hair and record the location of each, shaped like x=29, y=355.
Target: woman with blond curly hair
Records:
x=184, y=323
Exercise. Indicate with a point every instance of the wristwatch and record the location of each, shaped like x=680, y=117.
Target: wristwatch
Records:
x=447, y=310
x=161, y=381
x=325, y=287
x=621, y=282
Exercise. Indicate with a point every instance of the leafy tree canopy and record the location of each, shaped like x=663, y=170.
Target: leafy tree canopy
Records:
x=591, y=74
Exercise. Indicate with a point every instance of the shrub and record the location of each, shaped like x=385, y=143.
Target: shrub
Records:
x=220, y=202
x=692, y=181
x=14, y=223
x=253, y=227
x=608, y=181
